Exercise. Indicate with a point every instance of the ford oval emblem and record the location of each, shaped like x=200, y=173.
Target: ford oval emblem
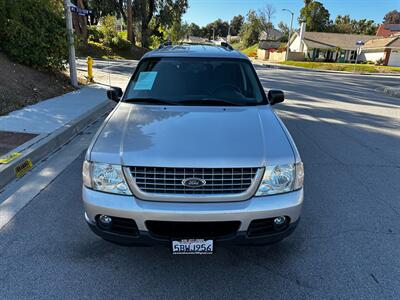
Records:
x=193, y=182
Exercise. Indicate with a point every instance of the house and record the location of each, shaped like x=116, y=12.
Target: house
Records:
x=388, y=30
x=271, y=34
x=270, y=39
x=385, y=49
x=327, y=46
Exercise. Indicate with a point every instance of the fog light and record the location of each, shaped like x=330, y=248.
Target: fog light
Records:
x=105, y=222
x=279, y=221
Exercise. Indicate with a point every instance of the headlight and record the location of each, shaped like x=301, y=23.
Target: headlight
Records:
x=281, y=179
x=105, y=178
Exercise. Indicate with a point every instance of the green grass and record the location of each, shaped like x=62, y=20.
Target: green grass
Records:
x=251, y=51
x=358, y=68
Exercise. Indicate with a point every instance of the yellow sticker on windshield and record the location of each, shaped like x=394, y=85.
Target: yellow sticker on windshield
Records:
x=22, y=168
x=9, y=158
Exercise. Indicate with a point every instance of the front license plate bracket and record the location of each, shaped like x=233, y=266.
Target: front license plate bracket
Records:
x=192, y=246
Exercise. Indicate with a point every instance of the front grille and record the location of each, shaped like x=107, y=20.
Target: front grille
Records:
x=167, y=230
x=217, y=180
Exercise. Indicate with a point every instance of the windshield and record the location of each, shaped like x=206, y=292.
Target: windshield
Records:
x=196, y=81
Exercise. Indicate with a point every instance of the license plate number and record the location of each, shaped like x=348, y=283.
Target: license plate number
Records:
x=192, y=246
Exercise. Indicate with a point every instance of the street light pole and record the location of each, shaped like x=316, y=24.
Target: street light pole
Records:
x=71, y=46
x=290, y=32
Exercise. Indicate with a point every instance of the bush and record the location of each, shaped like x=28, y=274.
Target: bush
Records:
x=379, y=62
x=120, y=44
x=108, y=30
x=94, y=49
x=34, y=33
x=94, y=34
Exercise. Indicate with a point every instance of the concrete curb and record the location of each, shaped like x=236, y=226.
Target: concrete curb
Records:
x=392, y=91
x=41, y=146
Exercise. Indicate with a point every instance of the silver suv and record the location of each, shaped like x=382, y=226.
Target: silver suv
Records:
x=193, y=156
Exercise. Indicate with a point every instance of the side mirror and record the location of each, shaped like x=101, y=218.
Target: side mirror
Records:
x=114, y=93
x=275, y=96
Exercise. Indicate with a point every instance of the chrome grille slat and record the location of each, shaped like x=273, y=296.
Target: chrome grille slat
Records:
x=157, y=180
x=175, y=184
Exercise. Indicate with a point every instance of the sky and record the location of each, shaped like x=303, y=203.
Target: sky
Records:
x=203, y=12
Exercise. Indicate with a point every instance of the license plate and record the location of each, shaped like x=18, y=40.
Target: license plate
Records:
x=192, y=246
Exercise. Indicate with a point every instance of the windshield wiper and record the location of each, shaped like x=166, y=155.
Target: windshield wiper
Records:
x=149, y=100
x=212, y=101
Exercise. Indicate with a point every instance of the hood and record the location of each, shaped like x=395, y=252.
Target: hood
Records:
x=192, y=136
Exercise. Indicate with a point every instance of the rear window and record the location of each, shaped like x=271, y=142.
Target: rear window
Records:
x=186, y=79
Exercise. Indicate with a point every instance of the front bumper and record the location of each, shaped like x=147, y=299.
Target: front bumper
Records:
x=98, y=203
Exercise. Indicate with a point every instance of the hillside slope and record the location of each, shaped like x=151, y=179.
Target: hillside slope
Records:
x=21, y=85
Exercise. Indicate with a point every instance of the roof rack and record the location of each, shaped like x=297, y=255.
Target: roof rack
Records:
x=167, y=43
x=226, y=45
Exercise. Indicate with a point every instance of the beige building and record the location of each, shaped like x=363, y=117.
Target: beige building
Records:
x=385, y=49
x=327, y=46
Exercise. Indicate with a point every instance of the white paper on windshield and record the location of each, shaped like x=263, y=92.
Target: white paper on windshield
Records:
x=145, y=81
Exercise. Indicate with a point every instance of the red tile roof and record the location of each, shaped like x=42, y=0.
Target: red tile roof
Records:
x=387, y=30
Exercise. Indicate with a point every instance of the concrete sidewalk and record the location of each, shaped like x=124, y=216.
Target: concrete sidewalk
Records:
x=49, y=115
x=275, y=65
x=52, y=122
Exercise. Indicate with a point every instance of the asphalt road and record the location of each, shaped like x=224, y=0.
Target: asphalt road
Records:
x=346, y=246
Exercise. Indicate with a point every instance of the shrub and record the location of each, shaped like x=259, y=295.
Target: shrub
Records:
x=108, y=30
x=379, y=62
x=34, y=33
x=95, y=34
x=95, y=50
x=120, y=44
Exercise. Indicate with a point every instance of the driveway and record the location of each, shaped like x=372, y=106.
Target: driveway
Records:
x=346, y=245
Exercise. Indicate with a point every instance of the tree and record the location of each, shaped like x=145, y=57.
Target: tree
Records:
x=217, y=28
x=164, y=12
x=344, y=24
x=364, y=26
x=315, y=15
x=102, y=8
x=195, y=30
x=236, y=24
x=80, y=22
x=251, y=29
x=108, y=29
x=392, y=17
x=177, y=32
x=129, y=25
x=284, y=28
x=266, y=14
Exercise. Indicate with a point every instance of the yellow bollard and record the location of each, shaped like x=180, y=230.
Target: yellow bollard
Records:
x=90, y=69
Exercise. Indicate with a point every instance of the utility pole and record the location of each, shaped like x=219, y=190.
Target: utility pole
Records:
x=290, y=32
x=71, y=46
x=213, y=34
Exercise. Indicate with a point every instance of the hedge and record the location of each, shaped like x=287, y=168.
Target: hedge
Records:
x=33, y=32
